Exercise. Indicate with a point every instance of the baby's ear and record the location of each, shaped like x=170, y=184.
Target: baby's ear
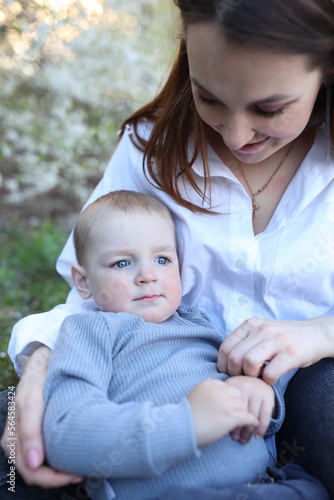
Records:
x=80, y=281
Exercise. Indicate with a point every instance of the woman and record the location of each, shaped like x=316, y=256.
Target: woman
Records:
x=237, y=145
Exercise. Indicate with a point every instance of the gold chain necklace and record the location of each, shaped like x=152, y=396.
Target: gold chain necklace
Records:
x=256, y=206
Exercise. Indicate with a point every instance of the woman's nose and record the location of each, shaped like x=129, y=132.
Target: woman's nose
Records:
x=235, y=130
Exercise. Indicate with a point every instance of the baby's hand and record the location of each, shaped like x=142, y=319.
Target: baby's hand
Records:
x=219, y=408
x=260, y=398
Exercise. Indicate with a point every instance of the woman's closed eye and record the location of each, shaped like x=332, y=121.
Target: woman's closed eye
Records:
x=263, y=112
x=206, y=100
x=269, y=113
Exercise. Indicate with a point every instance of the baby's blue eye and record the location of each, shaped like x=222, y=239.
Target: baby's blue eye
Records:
x=121, y=264
x=161, y=260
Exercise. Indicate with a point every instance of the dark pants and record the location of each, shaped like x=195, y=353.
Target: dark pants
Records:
x=307, y=438
x=307, y=435
x=290, y=482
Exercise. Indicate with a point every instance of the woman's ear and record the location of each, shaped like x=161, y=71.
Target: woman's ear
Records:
x=80, y=280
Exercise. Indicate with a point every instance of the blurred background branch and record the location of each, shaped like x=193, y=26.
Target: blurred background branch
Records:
x=70, y=72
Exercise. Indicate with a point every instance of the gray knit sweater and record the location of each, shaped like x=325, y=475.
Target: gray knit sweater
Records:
x=117, y=408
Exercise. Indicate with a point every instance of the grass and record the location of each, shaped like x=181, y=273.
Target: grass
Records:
x=29, y=282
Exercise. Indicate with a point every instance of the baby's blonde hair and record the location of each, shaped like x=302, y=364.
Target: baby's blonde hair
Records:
x=121, y=201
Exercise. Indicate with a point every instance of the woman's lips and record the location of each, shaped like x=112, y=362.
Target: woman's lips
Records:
x=254, y=147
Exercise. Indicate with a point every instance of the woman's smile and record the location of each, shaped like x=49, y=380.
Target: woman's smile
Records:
x=253, y=147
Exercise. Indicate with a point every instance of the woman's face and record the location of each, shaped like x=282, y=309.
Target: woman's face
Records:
x=257, y=100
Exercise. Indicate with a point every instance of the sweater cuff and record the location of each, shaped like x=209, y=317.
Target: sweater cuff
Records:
x=276, y=423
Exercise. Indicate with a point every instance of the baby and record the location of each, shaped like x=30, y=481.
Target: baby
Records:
x=133, y=395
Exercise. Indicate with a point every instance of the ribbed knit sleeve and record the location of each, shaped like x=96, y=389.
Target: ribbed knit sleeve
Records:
x=276, y=423
x=86, y=433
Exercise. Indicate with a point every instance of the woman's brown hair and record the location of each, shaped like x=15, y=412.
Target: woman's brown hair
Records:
x=298, y=27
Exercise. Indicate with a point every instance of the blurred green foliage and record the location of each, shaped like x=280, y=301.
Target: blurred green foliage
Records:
x=29, y=282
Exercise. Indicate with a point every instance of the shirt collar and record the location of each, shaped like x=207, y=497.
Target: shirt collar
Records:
x=217, y=167
x=312, y=177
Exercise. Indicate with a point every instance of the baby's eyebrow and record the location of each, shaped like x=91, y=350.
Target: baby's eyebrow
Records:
x=117, y=252
x=164, y=248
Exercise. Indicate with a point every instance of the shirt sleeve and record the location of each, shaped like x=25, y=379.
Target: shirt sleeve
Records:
x=131, y=439
x=124, y=171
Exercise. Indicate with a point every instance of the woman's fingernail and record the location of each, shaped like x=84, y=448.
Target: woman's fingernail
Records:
x=32, y=459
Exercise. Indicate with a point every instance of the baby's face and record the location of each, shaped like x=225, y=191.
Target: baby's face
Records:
x=132, y=265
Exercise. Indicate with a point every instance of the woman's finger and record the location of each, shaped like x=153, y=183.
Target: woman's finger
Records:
x=229, y=346
x=232, y=351
x=30, y=429
x=40, y=475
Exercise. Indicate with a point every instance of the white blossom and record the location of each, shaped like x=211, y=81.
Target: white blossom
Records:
x=71, y=73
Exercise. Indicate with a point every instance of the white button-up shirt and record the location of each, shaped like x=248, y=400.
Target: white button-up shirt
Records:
x=285, y=272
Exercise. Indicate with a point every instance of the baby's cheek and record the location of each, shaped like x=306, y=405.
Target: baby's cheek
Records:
x=174, y=287
x=111, y=297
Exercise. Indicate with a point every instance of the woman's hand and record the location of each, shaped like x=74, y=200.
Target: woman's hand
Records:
x=271, y=348
x=29, y=407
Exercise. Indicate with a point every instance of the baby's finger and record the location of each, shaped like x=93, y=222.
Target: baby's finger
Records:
x=236, y=434
x=264, y=418
x=246, y=433
x=245, y=420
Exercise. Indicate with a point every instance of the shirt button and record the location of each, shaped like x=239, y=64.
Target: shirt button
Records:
x=240, y=264
x=242, y=300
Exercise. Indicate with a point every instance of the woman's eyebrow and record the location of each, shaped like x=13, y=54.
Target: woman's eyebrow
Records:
x=274, y=99
x=198, y=85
